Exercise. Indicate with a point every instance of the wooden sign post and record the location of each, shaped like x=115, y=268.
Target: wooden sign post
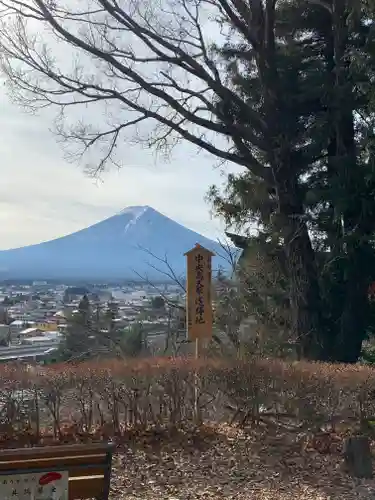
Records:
x=199, y=303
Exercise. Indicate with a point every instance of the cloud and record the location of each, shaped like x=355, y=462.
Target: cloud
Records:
x=42, y=196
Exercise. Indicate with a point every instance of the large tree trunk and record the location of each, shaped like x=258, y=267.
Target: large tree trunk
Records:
x=305, y=298
x=358, y=457
x=353, y=245
x=353, y=321
x=306, y=317
x=355, y=248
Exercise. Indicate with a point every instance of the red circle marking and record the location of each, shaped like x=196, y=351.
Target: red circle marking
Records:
x=49, y=477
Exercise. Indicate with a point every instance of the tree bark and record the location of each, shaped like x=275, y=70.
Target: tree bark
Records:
x=354, y=314
x=357, y=457
x=352, y=240
x=305, y=299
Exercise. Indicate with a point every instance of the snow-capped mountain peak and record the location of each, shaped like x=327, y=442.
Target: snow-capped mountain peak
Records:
x=135, y=211
x=120, y=247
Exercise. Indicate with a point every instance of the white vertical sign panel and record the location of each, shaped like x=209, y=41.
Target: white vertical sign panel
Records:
x=40, y=486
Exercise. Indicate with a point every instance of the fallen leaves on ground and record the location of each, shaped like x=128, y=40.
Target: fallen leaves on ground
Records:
x=227, y=463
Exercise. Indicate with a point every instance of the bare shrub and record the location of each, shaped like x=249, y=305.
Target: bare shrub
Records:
x=107, y=398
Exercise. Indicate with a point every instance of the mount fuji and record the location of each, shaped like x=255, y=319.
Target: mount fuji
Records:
x=135, y=242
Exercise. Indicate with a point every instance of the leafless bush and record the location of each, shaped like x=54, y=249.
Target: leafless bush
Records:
x=105, y=399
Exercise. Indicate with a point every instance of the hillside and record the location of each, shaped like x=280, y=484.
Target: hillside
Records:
x=117, y=248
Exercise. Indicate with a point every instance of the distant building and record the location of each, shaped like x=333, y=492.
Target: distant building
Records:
x=100, y=296
x=20, y=335
x=47, y=341
x=75, y=293
x=27, y=353
x=30, y=331
x=60, y=315
x=17, y=325
x=46, y=327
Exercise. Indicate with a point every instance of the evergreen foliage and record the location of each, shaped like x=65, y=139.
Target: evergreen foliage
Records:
x=325, y=63
x=92, y=332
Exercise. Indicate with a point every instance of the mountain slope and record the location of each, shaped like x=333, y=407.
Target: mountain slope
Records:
x=120, y=247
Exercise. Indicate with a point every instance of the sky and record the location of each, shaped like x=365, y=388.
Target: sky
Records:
x=43, y=196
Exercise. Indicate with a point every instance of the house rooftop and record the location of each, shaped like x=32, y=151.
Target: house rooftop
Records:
x=28, y=330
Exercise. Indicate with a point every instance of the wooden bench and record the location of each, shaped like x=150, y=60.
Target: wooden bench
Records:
x=88, y=466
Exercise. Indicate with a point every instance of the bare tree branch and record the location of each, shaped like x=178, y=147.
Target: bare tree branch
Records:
x=229, y=254
x=172, y=305
x=168, y=270
x=129, y=46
